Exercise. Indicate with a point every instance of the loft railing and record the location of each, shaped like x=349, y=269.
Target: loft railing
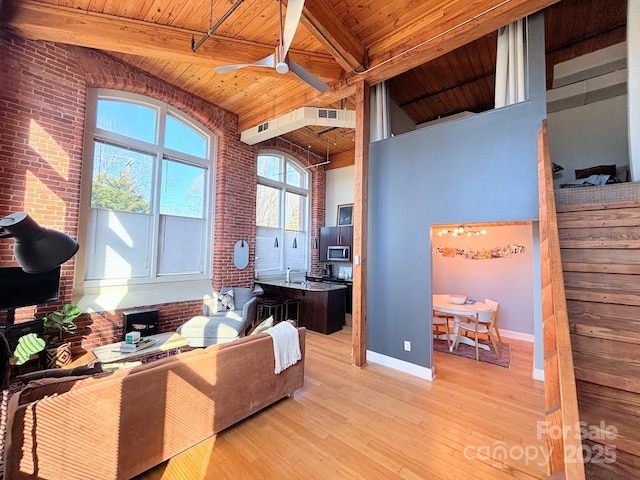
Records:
x=561, y=403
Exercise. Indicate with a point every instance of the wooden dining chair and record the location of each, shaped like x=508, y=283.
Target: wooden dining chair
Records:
x=494, y=305
x=481, y=323
x=441, y=319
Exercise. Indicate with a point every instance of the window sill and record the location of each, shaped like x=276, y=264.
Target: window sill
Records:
x=100, y=299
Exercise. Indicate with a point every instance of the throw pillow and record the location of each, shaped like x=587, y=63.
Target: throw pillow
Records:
x=264, y=325
x=227, y=299
x=211, y=304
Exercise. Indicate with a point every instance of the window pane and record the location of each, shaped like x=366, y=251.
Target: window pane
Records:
x=130, y=119
x=267, y=206
x=117, y=245
x=121, y=179
x=182, y=138
x=180, y=249
x=270, y=167
x=295, y=250
x=295, y=211
x=182, y=191
x=295, y=176
x=267, y=254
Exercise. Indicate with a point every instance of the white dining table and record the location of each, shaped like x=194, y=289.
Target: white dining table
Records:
x=442, y=304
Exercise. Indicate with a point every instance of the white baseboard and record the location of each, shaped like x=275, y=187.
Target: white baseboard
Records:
x=538, y=374
x=401, y=365
x=527, y=337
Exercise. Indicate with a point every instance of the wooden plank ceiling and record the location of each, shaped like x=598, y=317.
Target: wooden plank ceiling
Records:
x=439, y=55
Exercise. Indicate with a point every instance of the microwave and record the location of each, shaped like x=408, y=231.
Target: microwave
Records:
x=338, y=254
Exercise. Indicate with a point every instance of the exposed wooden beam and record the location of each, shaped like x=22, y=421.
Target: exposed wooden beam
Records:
x=360, y=215
x=428, y=37
x=321, y=19
x=442, y=30
x=40, y=21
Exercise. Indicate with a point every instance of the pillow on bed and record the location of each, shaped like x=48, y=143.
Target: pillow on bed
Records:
x=597, y=170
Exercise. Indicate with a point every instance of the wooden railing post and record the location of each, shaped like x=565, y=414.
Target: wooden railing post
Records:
x=561, y=403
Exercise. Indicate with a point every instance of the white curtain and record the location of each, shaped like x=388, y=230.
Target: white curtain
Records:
x=510, y=65
x=380, y=124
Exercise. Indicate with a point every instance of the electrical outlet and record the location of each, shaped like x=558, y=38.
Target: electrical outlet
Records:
x=407, y=345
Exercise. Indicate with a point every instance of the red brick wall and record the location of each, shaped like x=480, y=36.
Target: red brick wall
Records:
x=42, y=110
x=42, y=104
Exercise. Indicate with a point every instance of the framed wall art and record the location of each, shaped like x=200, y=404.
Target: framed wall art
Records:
x=345, y=215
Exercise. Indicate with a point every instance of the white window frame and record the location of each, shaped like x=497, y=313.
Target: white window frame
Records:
x=100, y=295
x=284, y=188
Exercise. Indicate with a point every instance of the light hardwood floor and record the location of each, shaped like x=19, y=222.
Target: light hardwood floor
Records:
x=377, y=423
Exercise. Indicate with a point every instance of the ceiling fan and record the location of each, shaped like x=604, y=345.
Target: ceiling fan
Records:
x=279, y=59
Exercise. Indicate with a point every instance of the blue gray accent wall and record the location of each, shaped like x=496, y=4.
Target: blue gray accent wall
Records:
x=478, y=169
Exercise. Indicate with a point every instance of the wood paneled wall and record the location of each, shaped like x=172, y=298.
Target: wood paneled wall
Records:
x=600, y=245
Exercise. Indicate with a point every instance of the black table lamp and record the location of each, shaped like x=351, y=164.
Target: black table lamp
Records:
x=37, y=249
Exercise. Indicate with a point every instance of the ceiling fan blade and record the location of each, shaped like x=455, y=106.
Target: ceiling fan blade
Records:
x=291, y=21
x=307, y=76
x=267, y=61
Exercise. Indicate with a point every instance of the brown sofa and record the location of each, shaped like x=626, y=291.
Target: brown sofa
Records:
x=117, y=425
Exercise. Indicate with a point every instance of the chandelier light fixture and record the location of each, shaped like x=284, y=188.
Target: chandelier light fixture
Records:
x=462, y=231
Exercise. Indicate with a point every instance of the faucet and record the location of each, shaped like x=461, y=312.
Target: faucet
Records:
x=288, y=276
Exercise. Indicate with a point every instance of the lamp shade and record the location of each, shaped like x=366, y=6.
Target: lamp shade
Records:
x=37, y=249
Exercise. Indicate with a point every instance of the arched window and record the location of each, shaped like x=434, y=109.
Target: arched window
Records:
x=282, y=214
x=147, y=186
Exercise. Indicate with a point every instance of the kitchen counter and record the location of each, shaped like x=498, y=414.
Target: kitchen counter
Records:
x=309, y=286
x=326, y=278
x=340, y=281
x=322, y=305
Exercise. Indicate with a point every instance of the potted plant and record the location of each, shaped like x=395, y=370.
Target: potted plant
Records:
x=56, y=324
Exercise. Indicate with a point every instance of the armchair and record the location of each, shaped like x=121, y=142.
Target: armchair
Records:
x=226, y=315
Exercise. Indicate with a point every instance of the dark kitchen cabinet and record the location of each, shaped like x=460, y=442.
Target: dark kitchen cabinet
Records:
x=320, y=310
x=333, y=236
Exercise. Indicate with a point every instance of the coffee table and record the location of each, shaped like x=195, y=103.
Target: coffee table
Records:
x=164, y=341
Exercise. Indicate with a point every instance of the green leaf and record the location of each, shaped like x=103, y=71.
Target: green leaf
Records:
x=61, y=321
x=28, y=345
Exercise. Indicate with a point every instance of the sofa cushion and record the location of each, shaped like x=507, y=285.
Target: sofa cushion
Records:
x=61, y=372
x=204, y=331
